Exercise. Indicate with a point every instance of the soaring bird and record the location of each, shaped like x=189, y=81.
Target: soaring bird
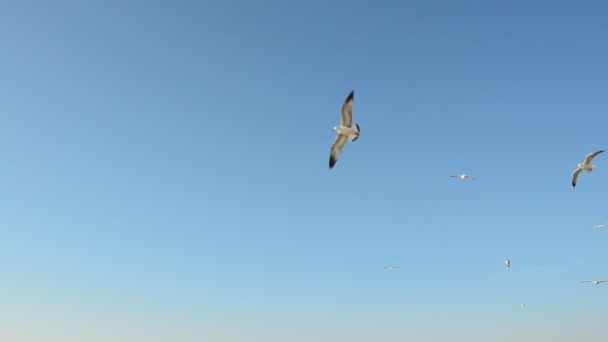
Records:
x=523, y=306
x=596, y=282
x=391, y=267
x=508, y=263
x=584, y=166
x=346, y=131
x=597, y=226
x=463, y=177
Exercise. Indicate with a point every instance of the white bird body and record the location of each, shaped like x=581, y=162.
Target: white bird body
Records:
x=347, y=130
x=598, y=226
x=523, y=306
x=463, y=176
x=391, y=267
x=596, y=282
x=508, y=263
x=351, y=132
x=584, y=166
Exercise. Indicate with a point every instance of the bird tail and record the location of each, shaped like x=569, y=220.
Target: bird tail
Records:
x=355, y=137
x=592, y=167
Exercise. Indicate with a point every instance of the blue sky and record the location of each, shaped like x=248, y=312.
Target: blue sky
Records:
x=165, y=171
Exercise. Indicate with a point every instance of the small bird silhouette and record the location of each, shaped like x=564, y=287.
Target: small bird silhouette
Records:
x=596, y=282
x=463, y=176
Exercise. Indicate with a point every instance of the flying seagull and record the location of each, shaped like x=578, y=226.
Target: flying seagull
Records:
x=523, y=306
x=508, y=263
x=463, y=177
x=346, y=131
x=596, y=282
x=391, y=267
x=584, y=166
x=597, y=226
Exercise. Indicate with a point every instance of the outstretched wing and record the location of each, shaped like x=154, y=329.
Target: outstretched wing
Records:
x=347, y=110
x=575, y=176
x=336, y=149
x=590, y=156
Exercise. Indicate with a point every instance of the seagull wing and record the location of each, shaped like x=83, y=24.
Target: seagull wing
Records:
x=347, y=110
x=586, y=281
x=336, y=149
x=575, y=176
x=590, y=157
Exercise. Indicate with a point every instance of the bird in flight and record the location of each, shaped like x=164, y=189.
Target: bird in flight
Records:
x=463, y=177
x=391, y=267
x=346, y=131
x=508, y=262
x=523, y=306
x=585, y=165
x=596, y=282
x=597, y=226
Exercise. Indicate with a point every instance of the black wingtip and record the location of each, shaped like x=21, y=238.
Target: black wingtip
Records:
x=351, y=96
x=332, y=162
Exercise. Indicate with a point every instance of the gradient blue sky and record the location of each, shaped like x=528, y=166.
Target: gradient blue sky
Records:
x=165, y=170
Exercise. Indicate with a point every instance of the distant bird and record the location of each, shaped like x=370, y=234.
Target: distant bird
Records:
x=584, y=166
x=523, y=306
x=596, y=282
x=463, y=177
x=346, y=131
x=508, y=263
x=597, y=226
x=391, y=267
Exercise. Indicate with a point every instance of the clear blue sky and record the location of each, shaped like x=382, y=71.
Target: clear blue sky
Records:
x=164, y=171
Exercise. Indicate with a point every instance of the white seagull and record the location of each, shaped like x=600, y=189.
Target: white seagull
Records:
x=597, y=226
x=391, y=267
x=346, y=131
x=463, y=177
x=584, y=166
x=508, y=263
x=596, y=282
x=523, y=306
